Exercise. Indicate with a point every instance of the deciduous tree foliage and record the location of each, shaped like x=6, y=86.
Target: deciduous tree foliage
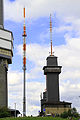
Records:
x=4, y=112
x=70, y=113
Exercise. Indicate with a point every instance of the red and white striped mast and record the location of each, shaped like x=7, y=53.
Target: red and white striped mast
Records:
x=24, y=66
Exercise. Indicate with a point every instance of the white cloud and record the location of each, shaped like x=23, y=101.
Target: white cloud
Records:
x=33, y=91
x=33, y=94
x=64, y=28
x=14, y=77
x=39, y=8
x=35, y=53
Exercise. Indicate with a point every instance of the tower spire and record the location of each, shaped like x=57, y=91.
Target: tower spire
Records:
x=24, y=66
x=51, y=33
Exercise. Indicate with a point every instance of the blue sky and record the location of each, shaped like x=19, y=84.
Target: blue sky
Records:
x=11, y=0
x=66, y=41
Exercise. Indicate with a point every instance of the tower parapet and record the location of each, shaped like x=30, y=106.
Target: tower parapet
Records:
x=6, y=45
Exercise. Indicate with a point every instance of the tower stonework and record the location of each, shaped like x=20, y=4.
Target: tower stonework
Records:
x=52, y=71
x=6, y=53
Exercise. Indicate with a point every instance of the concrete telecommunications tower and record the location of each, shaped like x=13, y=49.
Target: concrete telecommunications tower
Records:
x=6, y=53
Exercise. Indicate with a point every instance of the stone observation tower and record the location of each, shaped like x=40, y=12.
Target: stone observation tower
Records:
x=6, y=53
x=50, y=103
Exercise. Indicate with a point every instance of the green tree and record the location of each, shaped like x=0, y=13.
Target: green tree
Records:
x=70, y=113
x=64, y=114
x=4, y=112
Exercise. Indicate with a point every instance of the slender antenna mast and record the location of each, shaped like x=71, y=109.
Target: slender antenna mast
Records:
x=51, y=34
x=24, y=66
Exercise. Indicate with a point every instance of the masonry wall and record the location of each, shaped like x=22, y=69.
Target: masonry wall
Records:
x=52, y=87
x=56, y=110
